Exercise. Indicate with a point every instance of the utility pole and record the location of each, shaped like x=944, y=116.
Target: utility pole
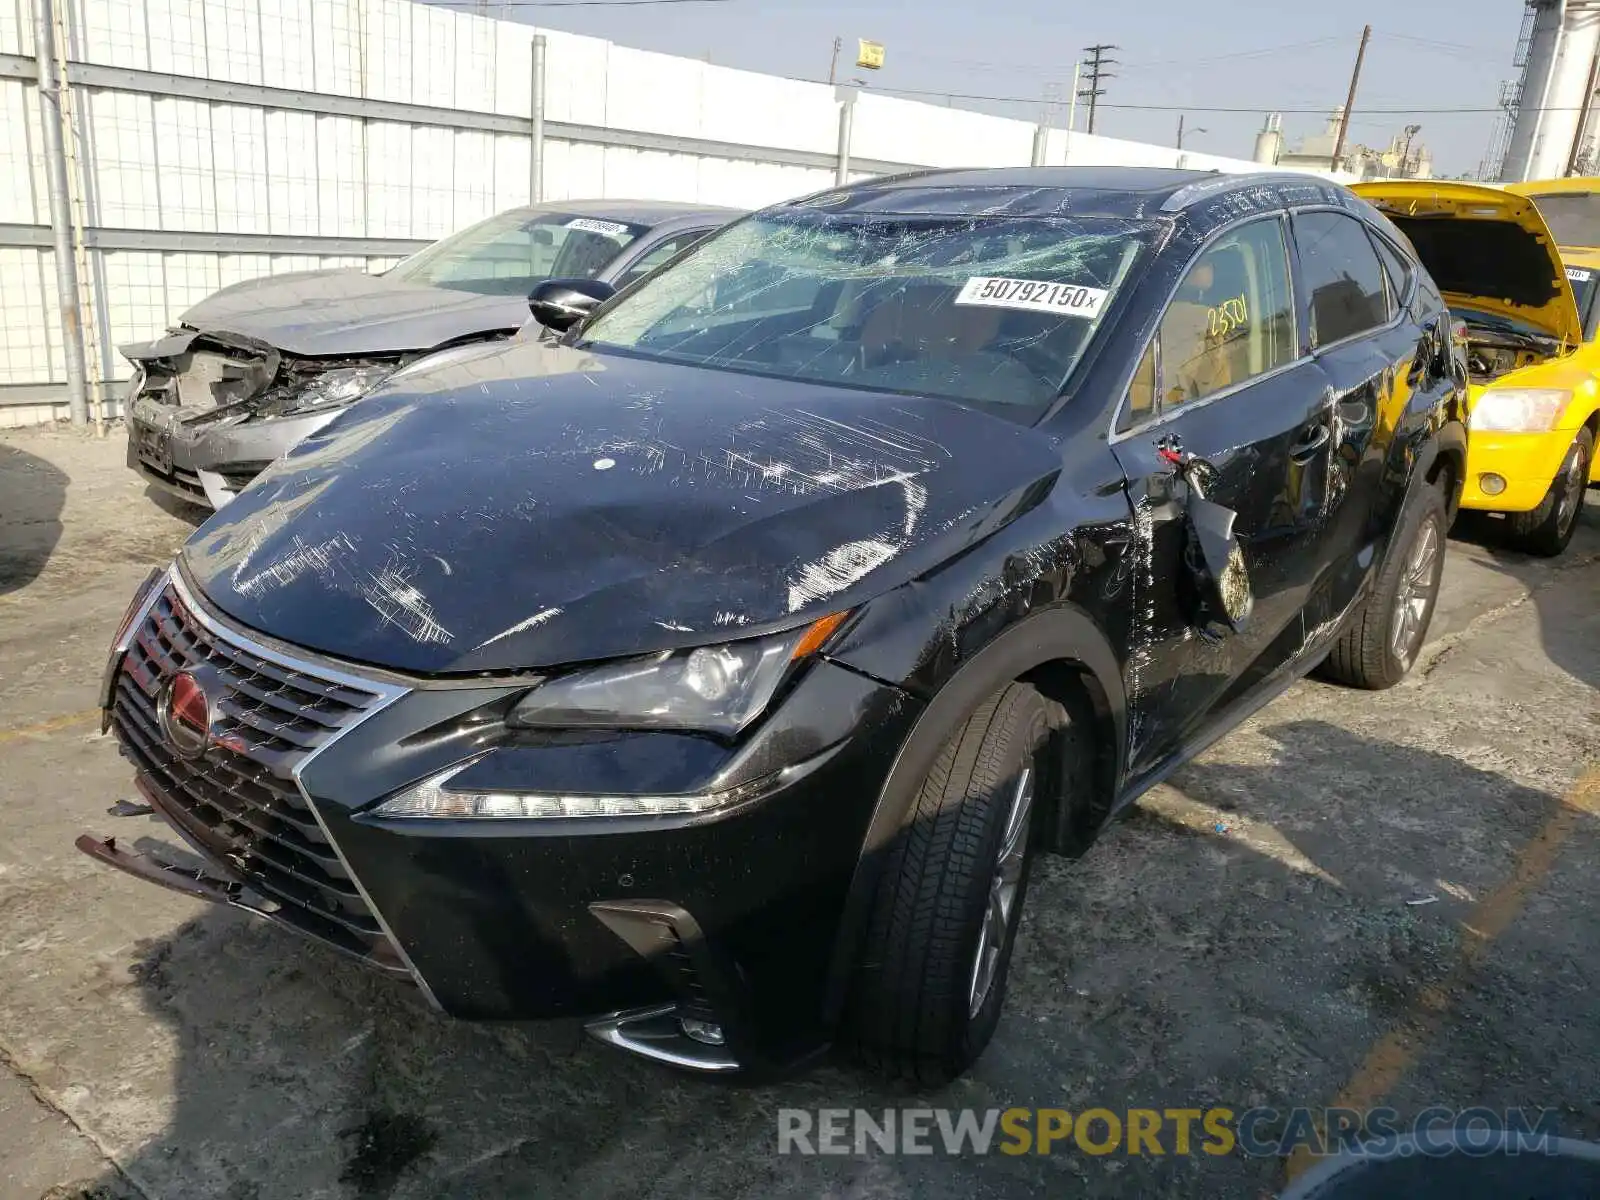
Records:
x=1583, y=115
x=536, y=123
x=1096, y=65
x=833, y=63
x=1350, y=100
x=52, y=82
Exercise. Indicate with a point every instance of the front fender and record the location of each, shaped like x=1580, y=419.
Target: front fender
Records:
x=1063, y=632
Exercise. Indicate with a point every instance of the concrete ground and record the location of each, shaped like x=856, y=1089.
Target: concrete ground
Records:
x=155, y=1046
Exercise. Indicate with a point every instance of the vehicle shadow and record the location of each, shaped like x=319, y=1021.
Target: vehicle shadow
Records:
x=174, y=506
x=33, y=493
x=1240, y=973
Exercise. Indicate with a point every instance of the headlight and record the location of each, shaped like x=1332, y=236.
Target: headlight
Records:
x=338, y=386
x=435, y=799
x=1519, y=410
x=717, y=688
x=714, y=689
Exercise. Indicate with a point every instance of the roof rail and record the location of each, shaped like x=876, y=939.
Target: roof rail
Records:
x=1217, y=182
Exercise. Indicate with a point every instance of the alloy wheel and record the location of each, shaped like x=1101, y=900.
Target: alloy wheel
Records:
x=1413, y=594
x=1004, y=887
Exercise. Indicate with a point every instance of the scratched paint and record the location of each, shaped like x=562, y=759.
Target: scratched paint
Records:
x=1142, y=630
x=391, y=594
x=321, y=559
x=533, y=622
x=838, y=569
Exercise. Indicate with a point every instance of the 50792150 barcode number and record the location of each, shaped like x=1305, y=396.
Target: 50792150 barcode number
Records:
x=1036, y=295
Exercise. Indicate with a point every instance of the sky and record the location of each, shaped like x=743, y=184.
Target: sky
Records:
x=1182, y=56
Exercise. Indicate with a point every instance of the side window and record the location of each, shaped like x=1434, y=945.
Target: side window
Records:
x=1344, y=284
x=1396, y=269
x=1230, y=320
x=659, y=254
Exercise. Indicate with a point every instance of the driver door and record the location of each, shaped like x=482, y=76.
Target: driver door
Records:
x=1226, y=379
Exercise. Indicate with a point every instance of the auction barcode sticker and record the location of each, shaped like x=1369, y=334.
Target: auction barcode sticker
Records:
x=590, y=225
x=1064, y=299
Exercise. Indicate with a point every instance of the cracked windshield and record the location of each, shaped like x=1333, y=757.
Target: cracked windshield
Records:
x=995, y=313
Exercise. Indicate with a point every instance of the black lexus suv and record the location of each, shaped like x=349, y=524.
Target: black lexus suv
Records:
x=715, y=672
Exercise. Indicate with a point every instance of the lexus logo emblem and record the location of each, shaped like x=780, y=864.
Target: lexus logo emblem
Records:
x=187, y=712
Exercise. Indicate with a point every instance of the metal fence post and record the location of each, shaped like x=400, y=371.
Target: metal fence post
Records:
x=536, y=125
x=55, y=161
x=847, y=110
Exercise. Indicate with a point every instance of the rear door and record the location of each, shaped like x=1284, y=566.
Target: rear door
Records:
x=1352, y=293
x=1226, y=376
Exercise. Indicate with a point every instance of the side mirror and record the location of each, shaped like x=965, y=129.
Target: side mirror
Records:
x=560, y=304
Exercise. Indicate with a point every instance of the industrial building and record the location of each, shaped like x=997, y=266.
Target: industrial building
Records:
x=1549, y=128
x=1404, y=157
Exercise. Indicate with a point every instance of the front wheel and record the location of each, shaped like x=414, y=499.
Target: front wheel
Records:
x=1384, y=638
x=931, y=980
x=1546, y=530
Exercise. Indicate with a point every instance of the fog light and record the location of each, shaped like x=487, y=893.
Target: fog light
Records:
x=1491, y=484
x=701, y=1031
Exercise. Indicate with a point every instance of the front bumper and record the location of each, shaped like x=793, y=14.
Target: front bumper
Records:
x=208, y=457
x=727, y=921
x=1528, y=462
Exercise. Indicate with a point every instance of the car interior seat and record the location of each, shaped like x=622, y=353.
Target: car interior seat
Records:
x=1199, y=356
x=923, y=320
x=585, y=253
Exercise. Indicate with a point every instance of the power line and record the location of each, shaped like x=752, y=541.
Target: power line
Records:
x=1263, y=52
x=1211, y=108
x=1482, y=52
x=1055, y=68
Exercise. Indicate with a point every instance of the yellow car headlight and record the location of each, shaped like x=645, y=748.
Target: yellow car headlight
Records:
x=1519, y=410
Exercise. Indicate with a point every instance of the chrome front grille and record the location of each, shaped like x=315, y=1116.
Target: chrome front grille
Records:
x=240, y=803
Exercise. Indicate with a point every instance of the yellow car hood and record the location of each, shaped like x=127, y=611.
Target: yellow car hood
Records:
x=1486, y=248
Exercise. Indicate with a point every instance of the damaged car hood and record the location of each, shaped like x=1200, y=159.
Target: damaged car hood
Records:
x=541, y=505
x=325, y=313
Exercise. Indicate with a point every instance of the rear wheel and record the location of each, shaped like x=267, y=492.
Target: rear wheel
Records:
x=1381, y=642
x=931, y=981
x=1546, y=530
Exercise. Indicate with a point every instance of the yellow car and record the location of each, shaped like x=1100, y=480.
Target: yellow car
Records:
x=1533, y=399
x=1571, y=209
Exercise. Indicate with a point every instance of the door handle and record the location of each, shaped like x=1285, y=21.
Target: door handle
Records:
x=1303, y=450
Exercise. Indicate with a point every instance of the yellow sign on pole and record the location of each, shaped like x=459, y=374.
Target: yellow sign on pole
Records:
x=871, y=56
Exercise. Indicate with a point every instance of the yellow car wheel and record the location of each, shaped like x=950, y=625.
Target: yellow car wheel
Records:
x=1546, y=530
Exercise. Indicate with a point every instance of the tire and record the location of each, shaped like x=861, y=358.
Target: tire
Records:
x=919, y=1008
x=1546, y=530
x=1377, y=648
